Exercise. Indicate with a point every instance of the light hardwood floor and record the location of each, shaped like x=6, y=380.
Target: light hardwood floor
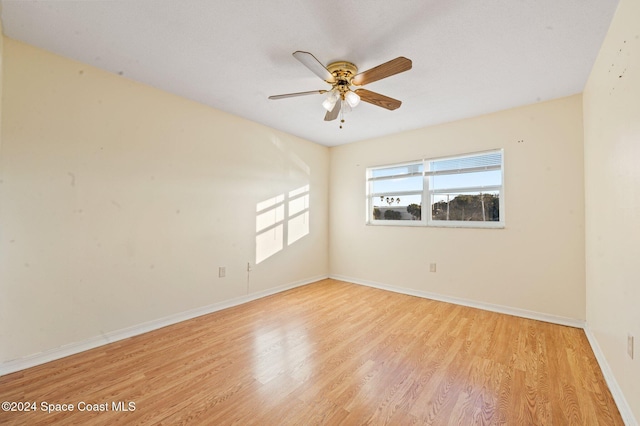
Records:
x=330, y=353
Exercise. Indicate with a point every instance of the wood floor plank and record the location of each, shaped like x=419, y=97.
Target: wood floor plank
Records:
x=329, y=353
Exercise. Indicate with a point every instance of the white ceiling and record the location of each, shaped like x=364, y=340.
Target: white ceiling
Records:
x=469, y=57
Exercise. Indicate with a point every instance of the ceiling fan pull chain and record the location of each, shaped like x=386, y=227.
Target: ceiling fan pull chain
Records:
x=342, y=75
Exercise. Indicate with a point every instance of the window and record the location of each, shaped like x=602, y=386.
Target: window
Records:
x=393, y=189
x=464, y=190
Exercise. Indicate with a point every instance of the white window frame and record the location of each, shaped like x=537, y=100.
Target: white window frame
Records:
x=371, y=194
x=426, y=217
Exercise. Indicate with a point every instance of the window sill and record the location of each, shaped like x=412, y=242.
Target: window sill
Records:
x=420, y=224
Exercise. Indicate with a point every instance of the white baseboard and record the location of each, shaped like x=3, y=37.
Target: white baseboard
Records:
x=616, y=392
x=114, y=336
x=539, y=316
x=96, y=341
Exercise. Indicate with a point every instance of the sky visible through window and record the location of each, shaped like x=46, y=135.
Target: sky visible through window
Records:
x=462, y=188
x=395, y=187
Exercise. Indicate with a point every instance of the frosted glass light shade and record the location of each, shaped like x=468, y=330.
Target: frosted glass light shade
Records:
x=331, y=100
x=352, y=99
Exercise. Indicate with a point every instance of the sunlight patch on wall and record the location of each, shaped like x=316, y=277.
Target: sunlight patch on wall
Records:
x=269, y=227
x=284, y=217
x=299, y=214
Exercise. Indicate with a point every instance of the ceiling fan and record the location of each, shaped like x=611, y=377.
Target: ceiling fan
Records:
x=343, y=76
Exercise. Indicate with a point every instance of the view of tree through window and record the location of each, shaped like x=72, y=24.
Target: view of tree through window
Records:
x=393, y=189
x=461, y=191
x=477, y=207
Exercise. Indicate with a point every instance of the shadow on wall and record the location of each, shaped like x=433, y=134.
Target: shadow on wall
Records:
x=283, y=218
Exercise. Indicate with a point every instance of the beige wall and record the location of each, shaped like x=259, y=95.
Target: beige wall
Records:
x=612, y=182
x=1, y=67
x=120, y=202
x=535, y=263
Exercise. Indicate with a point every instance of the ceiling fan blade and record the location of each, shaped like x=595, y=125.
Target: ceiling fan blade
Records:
x=378, y=99
x=333, y=114
x=293, y=95
x=394, y=66
x=310, y=61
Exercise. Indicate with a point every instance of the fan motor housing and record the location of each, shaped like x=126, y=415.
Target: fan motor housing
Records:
x=343, y=71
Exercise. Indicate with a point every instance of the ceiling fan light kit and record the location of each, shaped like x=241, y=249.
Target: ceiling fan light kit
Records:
x=343, y=76
x=330, y=102
x=352, y=99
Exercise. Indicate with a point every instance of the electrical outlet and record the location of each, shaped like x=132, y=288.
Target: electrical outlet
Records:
x=432, y=267
x=222, y=272
x=630, y=345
